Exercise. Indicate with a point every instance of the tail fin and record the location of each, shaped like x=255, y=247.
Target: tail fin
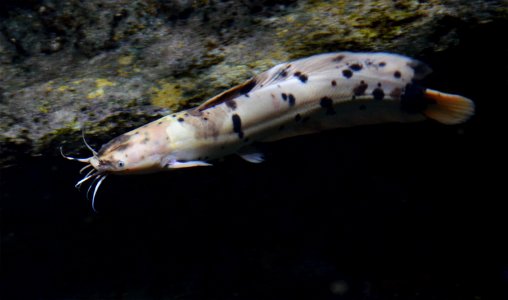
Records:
x=447, y=108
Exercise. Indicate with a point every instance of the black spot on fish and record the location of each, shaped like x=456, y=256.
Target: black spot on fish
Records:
x=327, y=104
x=291, y=100
x=413, y=100
x=174, y=116
x=382, y=64
x=356, y=67
x=283, y=73
x=338, y=58
x=237, y=125
x=145, y=140
x=180, y=120
x=137, y=132
x=284, y=96
x=206, y=119
x=159, y=123
x=360, y=89
x=347, y=73
x=397, y=74
x=378, y=94
x=303, y=78
x=334, y=83
x=231, y=104
x=298, y=117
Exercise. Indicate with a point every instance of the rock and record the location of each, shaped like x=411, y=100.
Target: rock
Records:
x=7, y=50
x=112, y=66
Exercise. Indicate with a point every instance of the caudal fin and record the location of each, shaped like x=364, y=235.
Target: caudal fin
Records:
x=447, y=108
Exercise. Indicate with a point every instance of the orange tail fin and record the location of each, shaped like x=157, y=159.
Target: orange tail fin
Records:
x=447, y=108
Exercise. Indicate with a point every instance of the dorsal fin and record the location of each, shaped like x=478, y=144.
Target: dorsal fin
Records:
x=232, y=93
x=277, y=73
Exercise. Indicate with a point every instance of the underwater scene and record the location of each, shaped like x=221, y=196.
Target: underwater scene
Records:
x=254, y=149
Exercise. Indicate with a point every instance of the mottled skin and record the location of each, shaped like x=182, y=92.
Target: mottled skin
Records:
x=305, y=96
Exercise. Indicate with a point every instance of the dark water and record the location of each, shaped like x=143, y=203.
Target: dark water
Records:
x=410, y=211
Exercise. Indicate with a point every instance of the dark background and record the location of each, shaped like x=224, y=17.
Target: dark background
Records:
x=396, y=211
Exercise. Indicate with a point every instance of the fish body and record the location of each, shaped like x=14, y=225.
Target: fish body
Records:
x=304, y=96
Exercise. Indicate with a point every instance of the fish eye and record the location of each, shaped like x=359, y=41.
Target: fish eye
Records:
x=121, y=164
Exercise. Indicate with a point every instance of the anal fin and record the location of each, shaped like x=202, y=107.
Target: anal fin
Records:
x=188, y=164
x=251, y=155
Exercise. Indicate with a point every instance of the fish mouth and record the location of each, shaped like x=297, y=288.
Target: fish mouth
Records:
x=96, y=174
x=98, y=177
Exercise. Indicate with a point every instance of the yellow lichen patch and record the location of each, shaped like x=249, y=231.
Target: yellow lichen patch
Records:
x=290, y=18
x=167, y=95
x=101, y=82
x=97, y=93
x=122, y=73
x=78, y=82
x=126, y=65
x=125, y=60
x=62, y=88
x=43, y=109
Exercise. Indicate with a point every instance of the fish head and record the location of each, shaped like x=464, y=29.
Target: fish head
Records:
x=139, y=151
